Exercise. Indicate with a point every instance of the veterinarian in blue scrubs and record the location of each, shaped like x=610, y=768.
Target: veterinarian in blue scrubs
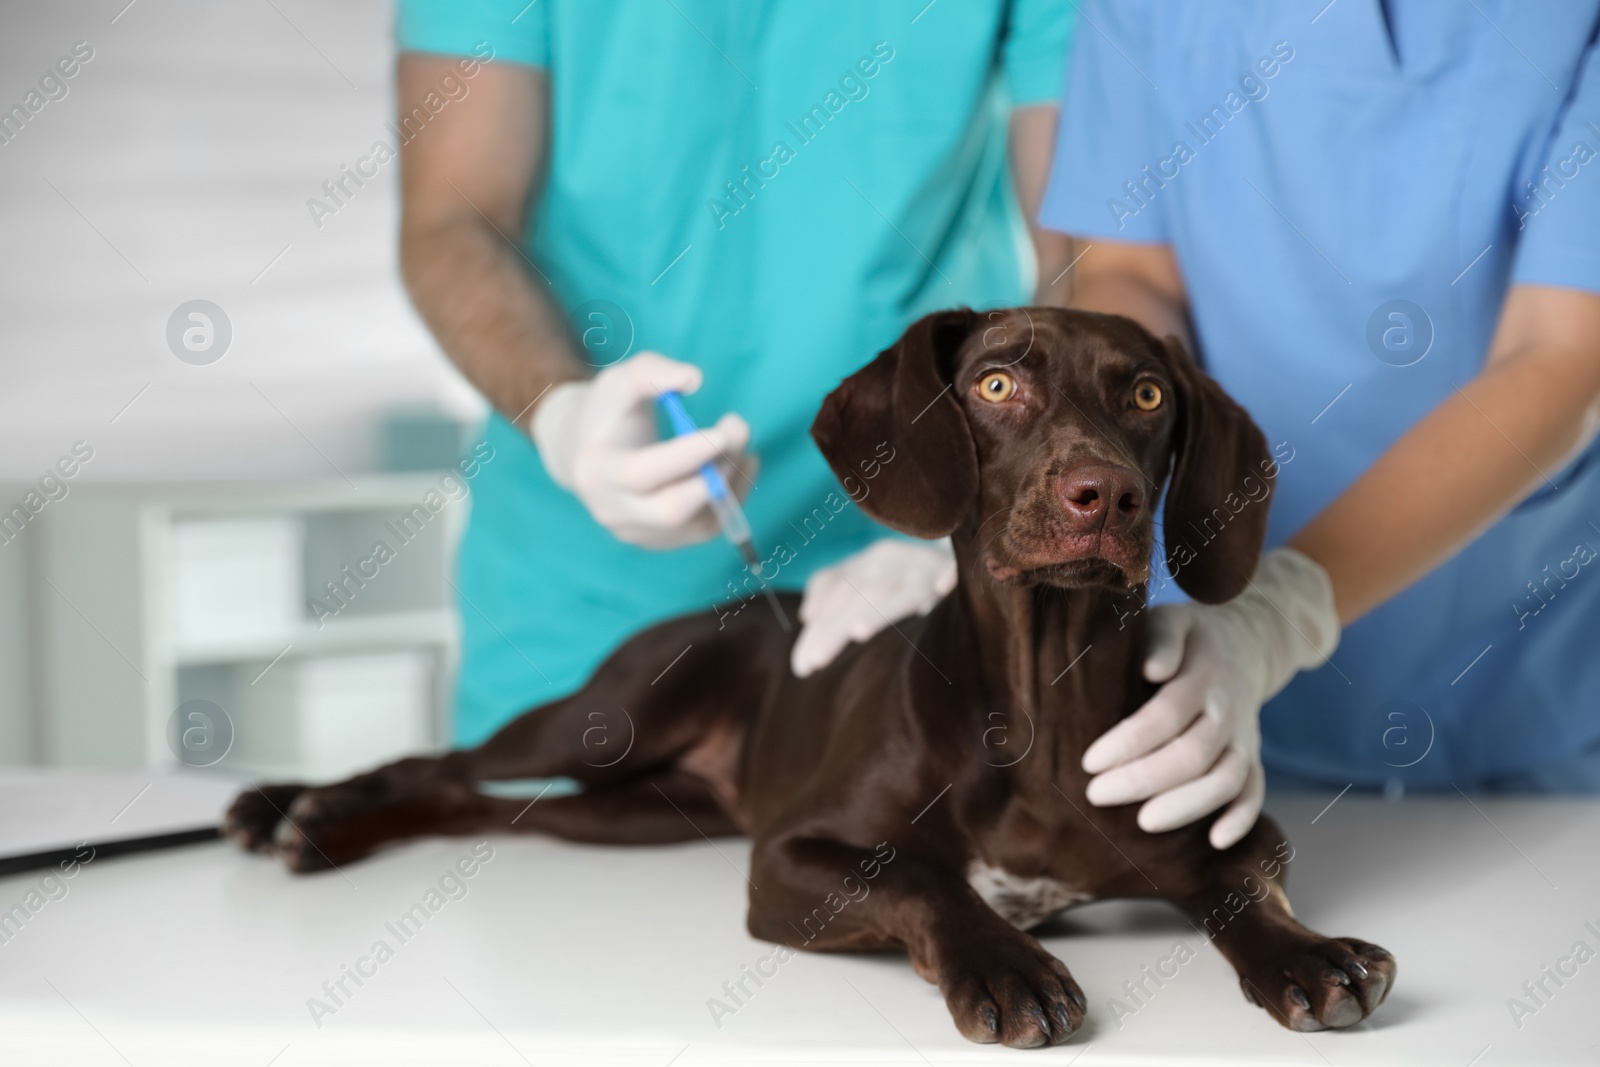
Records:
x=1382, y=220
x=766, y=191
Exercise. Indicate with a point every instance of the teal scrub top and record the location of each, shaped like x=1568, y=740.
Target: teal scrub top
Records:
x=1350, y=189
x=770, y=190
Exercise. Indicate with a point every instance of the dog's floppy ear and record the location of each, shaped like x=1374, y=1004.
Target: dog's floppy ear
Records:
x=902, y=401
x=1216, y=514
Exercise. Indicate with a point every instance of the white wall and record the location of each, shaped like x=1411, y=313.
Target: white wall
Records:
x=18, y=740
x=184, y=154
x=178, y=166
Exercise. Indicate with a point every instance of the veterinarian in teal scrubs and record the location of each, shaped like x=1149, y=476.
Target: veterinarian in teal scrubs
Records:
x=769, y=191
x=1382, y=218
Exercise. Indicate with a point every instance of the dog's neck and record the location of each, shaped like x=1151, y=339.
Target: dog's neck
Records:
x=1068, y=659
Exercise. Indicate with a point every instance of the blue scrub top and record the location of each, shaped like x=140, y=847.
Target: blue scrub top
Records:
x=1350, y=189
x=770, y=190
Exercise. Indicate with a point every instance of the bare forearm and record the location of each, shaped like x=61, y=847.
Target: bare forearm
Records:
x=1054, y=254
x=1141, y=281
x=489, y=312
x=1472, y=459
x=465, y=186
x=1119, y=293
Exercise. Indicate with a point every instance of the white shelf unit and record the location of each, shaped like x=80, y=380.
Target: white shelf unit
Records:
x=114, y=664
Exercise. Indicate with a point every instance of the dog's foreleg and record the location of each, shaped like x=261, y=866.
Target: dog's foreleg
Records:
x=998, y=982
x=1304, y=980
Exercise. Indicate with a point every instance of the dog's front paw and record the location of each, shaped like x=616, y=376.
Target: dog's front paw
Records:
x=1013, y=992
x=252, y=820
x=1331, y=984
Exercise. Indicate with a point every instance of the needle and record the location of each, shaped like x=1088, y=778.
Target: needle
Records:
x=730, y=516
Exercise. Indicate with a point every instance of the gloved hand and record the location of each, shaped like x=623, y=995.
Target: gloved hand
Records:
x=855, y=598
x=598, y=438
x=1196, y=744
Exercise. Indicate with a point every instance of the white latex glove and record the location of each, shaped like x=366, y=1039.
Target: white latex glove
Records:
x=855, y=598
x=1196, y=744
x=599, y=439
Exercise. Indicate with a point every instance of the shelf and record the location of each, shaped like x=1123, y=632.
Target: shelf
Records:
x=390, y=629
x=119, y=657
x=249, y=498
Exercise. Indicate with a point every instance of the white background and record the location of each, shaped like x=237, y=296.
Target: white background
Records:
x=178, y=167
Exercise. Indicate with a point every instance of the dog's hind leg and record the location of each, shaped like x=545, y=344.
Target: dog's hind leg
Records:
x=655, y=699
x=678, y=693
x=607, y=744
x=655, y=809
x=336, y=825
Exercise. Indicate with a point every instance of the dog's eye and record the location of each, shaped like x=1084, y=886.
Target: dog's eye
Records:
x=1146, y=395
x=997, y=386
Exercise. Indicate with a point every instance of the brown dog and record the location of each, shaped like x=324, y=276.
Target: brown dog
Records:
x=881, y=809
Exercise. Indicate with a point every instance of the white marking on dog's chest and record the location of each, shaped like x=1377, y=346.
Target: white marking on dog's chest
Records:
x=1022, y=902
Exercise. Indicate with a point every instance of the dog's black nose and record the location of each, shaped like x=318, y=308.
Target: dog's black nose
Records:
x=1101, y=496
